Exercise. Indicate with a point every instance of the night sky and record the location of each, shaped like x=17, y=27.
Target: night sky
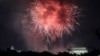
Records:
x=85, y=36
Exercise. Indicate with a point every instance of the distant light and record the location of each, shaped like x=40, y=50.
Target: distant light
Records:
x=12, y=48
x=78, y=50
x=19, y=51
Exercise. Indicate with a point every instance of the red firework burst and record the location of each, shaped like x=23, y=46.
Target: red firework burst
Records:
x=53, y=17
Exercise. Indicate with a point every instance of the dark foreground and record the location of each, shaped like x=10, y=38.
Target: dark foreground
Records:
x=30, y=53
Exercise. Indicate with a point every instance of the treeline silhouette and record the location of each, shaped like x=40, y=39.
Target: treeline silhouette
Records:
x=10, y=52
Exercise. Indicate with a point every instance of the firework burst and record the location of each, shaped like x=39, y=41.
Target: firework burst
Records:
x=52, y=18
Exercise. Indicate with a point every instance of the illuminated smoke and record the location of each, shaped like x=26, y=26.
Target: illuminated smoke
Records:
x=52, y=18
x=46, y=22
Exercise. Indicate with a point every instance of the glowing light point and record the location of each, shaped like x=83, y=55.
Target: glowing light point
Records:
x=12, y=48
x=19, y=51
x=78, y=50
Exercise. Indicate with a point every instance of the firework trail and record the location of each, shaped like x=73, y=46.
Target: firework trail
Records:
x=52, y=18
